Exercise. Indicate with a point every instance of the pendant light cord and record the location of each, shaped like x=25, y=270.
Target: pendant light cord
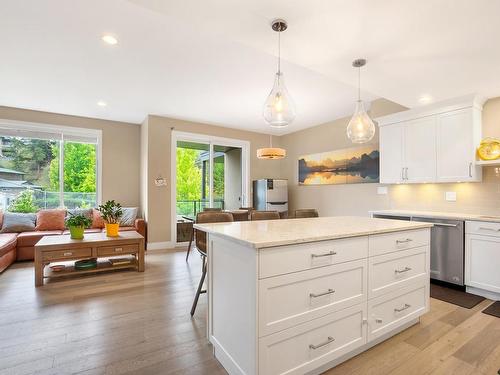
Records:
x=359, y=84
x=279, y=52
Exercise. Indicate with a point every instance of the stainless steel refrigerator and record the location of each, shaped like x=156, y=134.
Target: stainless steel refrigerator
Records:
x=270, y=195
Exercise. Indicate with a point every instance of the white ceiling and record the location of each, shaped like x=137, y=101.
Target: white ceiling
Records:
x=214, y=60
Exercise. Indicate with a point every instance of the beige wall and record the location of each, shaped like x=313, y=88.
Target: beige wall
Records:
x=358, y=199
x=158, y=155
x=120, y=150
x=355, y=199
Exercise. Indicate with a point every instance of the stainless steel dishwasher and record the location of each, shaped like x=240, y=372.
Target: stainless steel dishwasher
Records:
x=447, y=249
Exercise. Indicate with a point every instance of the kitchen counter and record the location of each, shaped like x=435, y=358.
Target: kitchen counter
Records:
x=438, y=215
x=270, y=233
x=300, y=296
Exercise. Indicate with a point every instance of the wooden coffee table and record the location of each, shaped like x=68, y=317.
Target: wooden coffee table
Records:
x=94, y=245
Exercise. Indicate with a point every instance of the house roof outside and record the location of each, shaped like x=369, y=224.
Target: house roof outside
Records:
x=12, y=171
x=9, y=184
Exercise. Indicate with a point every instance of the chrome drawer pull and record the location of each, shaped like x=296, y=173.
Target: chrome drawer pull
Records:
x=406, y=306
x=328, y=341
x=491, y=229
x=378, y=321
x=117, y=249
x=404, y=241
x=406, y=269
x=323, y=255
x=330, y=291
x=67, y=254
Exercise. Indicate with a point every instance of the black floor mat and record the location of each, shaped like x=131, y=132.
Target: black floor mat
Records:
x=454, y=296
x=493, y=310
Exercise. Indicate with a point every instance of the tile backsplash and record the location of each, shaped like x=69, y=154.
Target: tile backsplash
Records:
x=471, y=197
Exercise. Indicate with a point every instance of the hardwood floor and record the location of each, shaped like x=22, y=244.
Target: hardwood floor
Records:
x=139, y=323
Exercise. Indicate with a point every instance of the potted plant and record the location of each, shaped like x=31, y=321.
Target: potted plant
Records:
x=111, y=213
x=77, y=225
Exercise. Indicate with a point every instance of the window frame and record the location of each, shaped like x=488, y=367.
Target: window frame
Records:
x=63, y=132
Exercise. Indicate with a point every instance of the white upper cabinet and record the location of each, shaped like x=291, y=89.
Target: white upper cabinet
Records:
x=432, y=144
x=456, y=147
x=391, y=160
x=420, y=150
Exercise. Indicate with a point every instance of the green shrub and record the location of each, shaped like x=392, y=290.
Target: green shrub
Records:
x=24, y=202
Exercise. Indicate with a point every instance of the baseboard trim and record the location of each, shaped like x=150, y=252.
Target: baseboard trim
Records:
x=160, y=245
x=483, y=293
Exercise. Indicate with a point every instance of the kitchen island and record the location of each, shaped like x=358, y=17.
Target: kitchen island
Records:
x=300, y=296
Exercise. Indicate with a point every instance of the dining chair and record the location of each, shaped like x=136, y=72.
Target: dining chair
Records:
x=306, y=212
x=264, y=215
x=201, y=245
x=240, y=215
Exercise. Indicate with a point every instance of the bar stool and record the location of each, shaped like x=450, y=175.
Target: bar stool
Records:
x=201, y=245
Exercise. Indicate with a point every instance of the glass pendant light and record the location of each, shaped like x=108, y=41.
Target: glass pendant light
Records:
x=361, y=128
x=279, y=110
x=271, y=152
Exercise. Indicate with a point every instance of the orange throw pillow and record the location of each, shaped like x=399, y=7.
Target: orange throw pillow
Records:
x=97, y=220
x=50, y=220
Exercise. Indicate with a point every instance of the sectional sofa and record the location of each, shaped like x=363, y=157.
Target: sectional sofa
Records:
x=19, y=246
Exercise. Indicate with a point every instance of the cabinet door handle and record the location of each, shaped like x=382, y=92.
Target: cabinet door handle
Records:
x=378, y=321
x=404, y=241
x=445, y=225
x=323, y=255
x=406, y=306
x=402, y=174
x=68, y=254
x=328, y=341
x=329, y=291
x=406, y=174
x=406, y=269
x=490, y=229
x=470, y=169
x=118, y=249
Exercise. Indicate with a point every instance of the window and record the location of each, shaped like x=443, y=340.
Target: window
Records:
x=45, y=167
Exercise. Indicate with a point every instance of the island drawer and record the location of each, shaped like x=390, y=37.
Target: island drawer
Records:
x=483, y=228
x=308, y=346
x=392, y=271
x=85, y=252
x=394, y=309
x=390, y=242
x=293, y=258
x=288, y=300
x=117, y=250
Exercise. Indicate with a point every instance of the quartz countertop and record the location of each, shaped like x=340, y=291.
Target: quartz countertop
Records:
x=269, y=233
x=439, y=215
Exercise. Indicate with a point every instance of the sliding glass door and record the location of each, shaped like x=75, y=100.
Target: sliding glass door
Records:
x=209, y=173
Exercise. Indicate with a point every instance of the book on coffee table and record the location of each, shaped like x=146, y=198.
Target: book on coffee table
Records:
x=120, y=261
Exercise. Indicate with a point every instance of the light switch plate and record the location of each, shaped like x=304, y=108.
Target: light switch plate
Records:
x=382, y=190
x=450, y=196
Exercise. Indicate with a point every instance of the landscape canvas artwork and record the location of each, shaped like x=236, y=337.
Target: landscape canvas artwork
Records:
x=345, y=166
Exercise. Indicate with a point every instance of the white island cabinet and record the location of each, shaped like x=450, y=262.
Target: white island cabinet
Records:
x=300, y=296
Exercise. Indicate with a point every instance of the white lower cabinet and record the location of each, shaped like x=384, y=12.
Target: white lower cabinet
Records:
x=482, y=262
x=310, y=345
x=387, y=312
x=295, y=298
x=303, y=308
x=392, y=271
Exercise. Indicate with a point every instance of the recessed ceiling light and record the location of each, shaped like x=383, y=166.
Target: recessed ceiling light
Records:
x=425, y=99
x=102, y=103
x=110, y=39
